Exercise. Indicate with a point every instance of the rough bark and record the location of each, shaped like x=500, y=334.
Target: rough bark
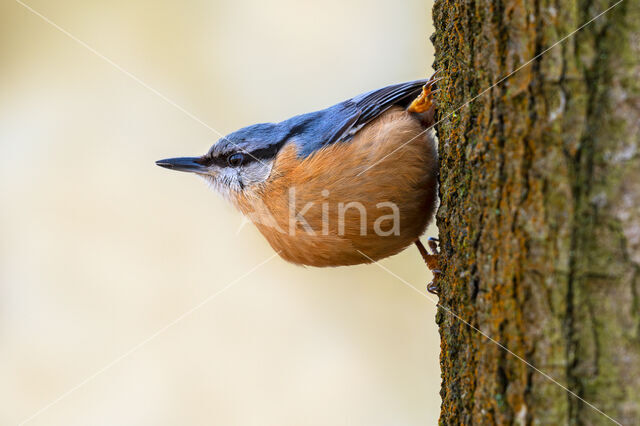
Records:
x=540, y=211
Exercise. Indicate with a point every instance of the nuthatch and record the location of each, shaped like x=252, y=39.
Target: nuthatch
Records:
x=350, y=184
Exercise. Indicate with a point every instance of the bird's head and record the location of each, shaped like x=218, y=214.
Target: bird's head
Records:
x=239, y=161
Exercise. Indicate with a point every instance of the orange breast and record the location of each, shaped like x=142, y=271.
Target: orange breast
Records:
x=374, y=194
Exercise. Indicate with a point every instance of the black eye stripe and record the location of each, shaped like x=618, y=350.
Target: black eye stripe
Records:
x=216, y=161
x=223, y=160
x=257, y=155
x=267, y=153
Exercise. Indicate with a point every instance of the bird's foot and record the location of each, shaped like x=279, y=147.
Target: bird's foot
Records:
x=431, y=259
x=433, y=286
x=424, y=102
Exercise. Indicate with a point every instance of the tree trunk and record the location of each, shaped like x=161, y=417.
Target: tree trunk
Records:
x=540, y=211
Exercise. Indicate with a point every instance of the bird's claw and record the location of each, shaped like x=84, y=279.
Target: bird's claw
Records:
x=433, y=286
x=431, y=259
x=433, y=245
x=424, y=102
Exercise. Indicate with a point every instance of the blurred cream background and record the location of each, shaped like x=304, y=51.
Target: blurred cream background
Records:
x=100, y=248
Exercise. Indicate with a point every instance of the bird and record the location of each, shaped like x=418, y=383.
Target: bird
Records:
x=353, y=183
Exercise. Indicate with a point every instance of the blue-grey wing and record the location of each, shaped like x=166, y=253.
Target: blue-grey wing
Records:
x=367, y=107
x=342, y=121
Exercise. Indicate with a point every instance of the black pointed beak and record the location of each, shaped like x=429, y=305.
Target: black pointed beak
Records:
x=183, y=164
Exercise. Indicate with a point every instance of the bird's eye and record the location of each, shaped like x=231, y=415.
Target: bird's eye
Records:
x=236, y=160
